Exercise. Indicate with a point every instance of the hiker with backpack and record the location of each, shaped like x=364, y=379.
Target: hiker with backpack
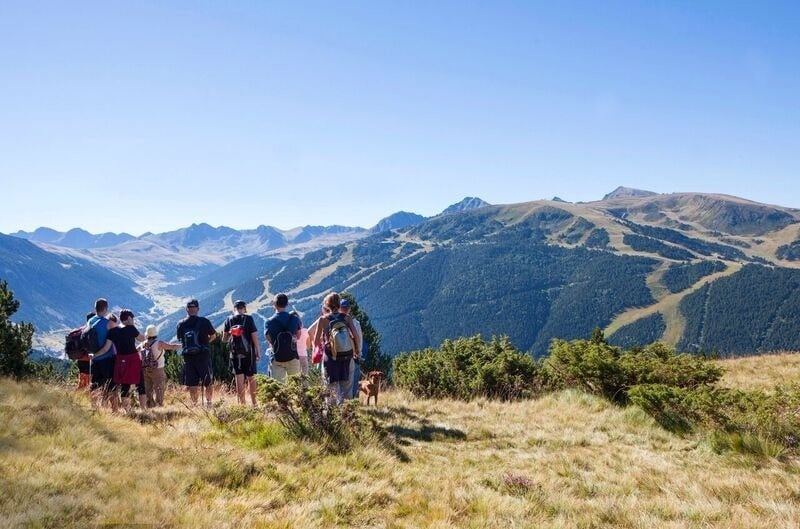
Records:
x=338, y=336
x=195, y=333
x=242, y=336
x=81, y=355
x=282, y=332
x=344, y=308
x=154, y=376
x=102, y=359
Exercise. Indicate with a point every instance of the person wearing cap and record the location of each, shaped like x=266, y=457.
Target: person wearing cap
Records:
x=241, y=329
x=344, y=308
x=282, y=332
x=195, y=333
x=154, y=377
x=338, y=369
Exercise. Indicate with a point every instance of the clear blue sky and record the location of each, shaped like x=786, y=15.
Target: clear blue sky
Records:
x=151, y=115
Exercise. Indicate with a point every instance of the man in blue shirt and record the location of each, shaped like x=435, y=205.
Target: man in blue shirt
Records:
x=102, y=365
x=281, y=333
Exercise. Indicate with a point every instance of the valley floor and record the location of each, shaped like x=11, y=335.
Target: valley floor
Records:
x=564, y=460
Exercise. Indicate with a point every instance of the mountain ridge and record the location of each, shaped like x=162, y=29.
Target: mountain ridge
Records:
x=561, y=267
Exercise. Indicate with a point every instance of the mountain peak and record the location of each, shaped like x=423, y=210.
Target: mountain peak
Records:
x=401, y=219
x=628, y=192
x=466, y=204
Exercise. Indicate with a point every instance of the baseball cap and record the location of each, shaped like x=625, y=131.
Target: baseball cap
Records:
x=193, y=304
x=151, y=331
x=239, y=304
x=344, y=303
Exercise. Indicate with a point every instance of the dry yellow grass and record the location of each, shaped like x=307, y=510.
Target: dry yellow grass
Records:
x=565, y=460
x=761, y=372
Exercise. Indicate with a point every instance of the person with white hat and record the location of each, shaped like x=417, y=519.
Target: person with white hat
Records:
x=155, y=377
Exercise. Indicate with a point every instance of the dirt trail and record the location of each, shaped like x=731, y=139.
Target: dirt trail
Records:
x=666, y=303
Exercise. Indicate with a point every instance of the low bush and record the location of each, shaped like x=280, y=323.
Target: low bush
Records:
x=467, y=368
x=303, y=410
x=602, y=369
x=751, y=422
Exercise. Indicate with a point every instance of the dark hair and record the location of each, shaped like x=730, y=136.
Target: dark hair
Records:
x=281, y=301
x=100, y=305
x=90, y=315
x=113, y=317
x=124, y=314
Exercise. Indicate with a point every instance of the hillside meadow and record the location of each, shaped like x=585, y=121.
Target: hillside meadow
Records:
x=566, y=459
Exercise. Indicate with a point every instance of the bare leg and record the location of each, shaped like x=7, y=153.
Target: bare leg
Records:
x=194, y=394
x=209, y=394
x=252, y=384
x=240, y=388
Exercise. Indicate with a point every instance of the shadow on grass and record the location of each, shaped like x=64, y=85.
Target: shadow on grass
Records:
x=427, y=433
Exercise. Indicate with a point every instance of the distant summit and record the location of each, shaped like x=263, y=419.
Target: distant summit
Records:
x=74, y=238
x=401, y=219
x=628, y=192
x=465, y=205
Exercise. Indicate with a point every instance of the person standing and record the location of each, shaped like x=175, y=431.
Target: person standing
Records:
x=344, y=308
x=127, y=363
x=317, y=350
x=102, y=362
x=84, y=364
x=302, y=344
x=337, y=334
x=282, y=333
x=242, y=336
x=195, y=333
x=154, y=375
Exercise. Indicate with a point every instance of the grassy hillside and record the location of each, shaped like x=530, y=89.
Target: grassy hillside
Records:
x=564, y=460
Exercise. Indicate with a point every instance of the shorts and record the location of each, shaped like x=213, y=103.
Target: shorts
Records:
x=103, y=373
x=243, y=366
x=197, y=370
x=280, y=370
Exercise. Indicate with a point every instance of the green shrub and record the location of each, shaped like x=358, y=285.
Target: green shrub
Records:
x=599, y=368
x=303, y=410
x=467, y=368
x=750, y=422
x=248, y=426
x=660, y=364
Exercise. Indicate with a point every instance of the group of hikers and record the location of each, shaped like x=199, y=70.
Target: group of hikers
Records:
x=123, y=358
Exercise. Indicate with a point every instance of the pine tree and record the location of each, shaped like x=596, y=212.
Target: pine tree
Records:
x=376, y=359
x=15, y=338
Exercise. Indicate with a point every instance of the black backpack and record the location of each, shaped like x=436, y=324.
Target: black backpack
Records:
x=285, y=347
x=191, y=340
x=80, y=342
x=239, y=341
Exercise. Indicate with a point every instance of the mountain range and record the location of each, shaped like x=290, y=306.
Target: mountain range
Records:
x=699, y=271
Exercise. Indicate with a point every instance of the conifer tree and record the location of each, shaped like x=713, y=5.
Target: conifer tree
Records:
x=15, y=338
x=376, y=359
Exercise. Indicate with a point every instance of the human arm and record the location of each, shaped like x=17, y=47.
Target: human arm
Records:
x=317, y=341
x=256, y=345
x=169, y=346
x=356, y=340
x=103, y=350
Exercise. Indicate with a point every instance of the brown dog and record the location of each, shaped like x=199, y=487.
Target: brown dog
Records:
x=372, y=385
